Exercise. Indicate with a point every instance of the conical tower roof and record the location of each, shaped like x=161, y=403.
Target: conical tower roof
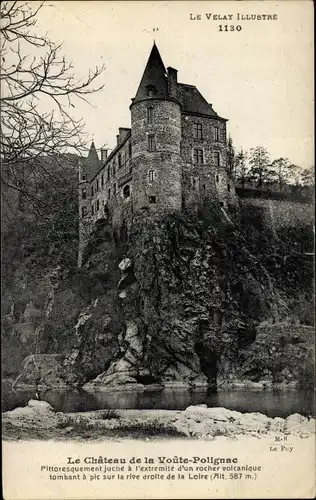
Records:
x=154, y=77
x=92, y=162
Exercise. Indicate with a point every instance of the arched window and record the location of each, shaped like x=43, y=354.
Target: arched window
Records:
x=127, y=191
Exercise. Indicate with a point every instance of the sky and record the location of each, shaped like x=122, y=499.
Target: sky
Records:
x=260, y=78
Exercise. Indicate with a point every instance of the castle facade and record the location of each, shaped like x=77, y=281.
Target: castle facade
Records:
x=173, y=158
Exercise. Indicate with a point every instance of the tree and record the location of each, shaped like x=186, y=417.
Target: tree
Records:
x=241, y=167
x=281, y=171
x=308, y=176
x=39, y=90
x=259, y=165
x=230, y=156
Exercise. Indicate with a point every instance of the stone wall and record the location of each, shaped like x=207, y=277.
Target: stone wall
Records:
x=163, y=192
x=282, y=213
x=206, y=180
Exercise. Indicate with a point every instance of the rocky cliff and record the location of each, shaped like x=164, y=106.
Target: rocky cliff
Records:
x=175, y=300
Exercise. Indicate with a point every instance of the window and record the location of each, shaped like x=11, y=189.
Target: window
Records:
x=97, y=186
x=109, y=193
x=152, y=199
x=151, y=90
x=84, y=211
x=130, y=149
x=109, y=172
x=83, y=177
x=193, y=181
x=216, y=158
x=198, y=156
x=102, y=180
x=119, y=160
x=228, y=187
x=217, y=178
x=92, y=191
x=150, y=114
x=151, y=175
x=216, y=134
x=126, y=191
x=114, y=189
x=92, y=209
x=97, y=206
x=113, y=169
x=204, y=187
x=151, y=145
x=198, y=131
x=83, y=193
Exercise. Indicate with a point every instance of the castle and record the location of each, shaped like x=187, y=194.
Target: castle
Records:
x=172, y=158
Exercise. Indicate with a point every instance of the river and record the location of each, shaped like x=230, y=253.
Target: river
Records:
x=273, y=403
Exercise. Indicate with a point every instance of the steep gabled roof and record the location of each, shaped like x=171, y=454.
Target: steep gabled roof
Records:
x=153, y=76
x=193, y=102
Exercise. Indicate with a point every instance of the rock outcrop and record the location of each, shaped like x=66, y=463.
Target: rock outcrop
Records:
x=174, y=300
x=38, y=420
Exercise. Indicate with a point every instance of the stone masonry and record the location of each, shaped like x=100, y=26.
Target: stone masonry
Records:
x=173, y=157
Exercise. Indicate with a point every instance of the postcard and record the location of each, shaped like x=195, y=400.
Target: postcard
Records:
x=158, y=249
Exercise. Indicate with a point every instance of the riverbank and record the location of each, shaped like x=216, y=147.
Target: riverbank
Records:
x=38, y=420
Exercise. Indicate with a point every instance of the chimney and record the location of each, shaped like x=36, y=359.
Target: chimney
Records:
x=104, y=154
x=172, y=82
x=123, y=133
x=117, y=139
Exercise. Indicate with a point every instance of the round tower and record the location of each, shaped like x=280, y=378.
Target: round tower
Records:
x=156, y=137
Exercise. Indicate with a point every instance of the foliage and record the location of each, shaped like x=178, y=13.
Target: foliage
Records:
x=230, y=156
x=259, y=165
x=281, y=171
x=38, y=92
x=241, y=167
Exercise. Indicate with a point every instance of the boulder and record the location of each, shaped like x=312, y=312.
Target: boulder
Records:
x=40, y=405
x=125, y=264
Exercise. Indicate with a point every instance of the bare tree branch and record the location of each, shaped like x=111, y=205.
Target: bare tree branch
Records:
x=35, y=76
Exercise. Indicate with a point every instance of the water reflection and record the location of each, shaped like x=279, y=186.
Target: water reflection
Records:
x=272, y=403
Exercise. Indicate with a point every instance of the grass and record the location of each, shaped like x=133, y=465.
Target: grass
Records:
x=97, y=427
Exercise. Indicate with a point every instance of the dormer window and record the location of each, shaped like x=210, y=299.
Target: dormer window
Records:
x=151, y=90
